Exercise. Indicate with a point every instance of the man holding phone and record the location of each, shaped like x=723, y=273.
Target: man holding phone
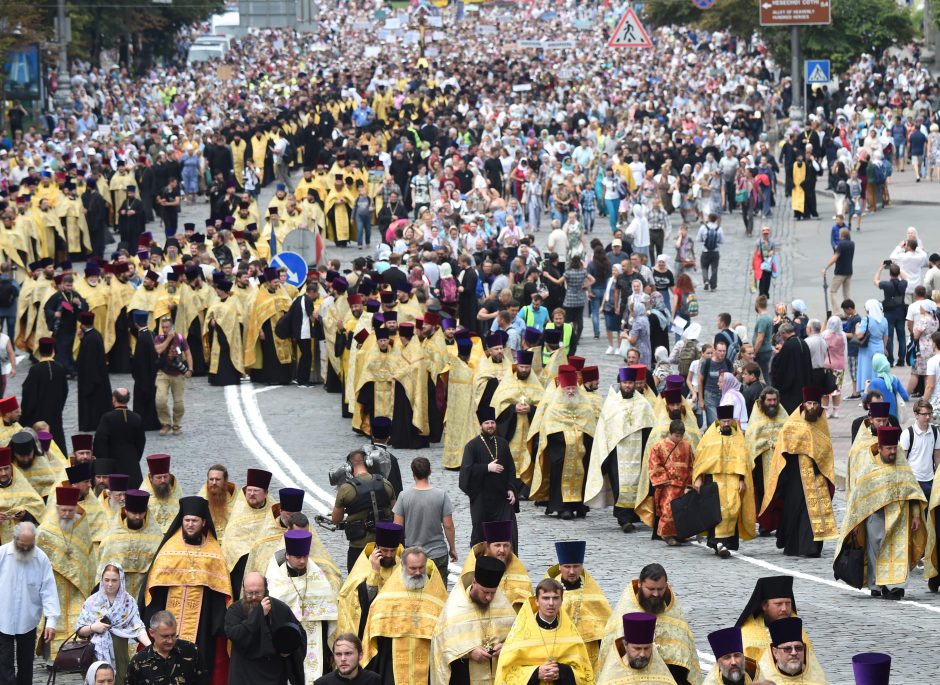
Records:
x=894, y=289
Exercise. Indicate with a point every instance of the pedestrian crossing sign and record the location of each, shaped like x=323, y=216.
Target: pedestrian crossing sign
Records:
x=630, y=33
x=817, y=71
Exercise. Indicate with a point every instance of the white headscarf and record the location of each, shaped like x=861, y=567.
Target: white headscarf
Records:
x=873, y=307
x=93, y=671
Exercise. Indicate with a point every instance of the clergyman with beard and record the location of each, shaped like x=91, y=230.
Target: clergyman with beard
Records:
x=789, y=659
x=763, y=428
x=27, y=568
x=132, y=540
x=635, y=659
x=268, y=643
x=488, y=478
x=799, y=479
x=164, y=487
x=730, y=664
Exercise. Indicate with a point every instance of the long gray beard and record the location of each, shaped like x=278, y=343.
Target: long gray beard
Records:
x=22, y=556
x=414, y=584
x=789, y=669
x=735, y=676
x=66, y=525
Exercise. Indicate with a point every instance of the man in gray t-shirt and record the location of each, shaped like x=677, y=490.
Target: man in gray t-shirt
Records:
x=427, y=516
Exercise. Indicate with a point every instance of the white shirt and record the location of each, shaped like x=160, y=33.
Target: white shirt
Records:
x=911, y=263
x=933, y=369
x=35, y=593
x=558, y=243
x=920, y=454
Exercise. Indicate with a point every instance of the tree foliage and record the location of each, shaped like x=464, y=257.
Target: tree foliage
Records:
x=857, y=26
x=20, y=24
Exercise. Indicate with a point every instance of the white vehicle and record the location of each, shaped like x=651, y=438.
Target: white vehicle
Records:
x=222, y=41
x=226, y=23
x=202, y=53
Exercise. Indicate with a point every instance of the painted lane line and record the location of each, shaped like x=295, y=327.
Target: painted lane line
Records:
x=260, y=429
x=237, y=417
x=816, y=579
x=258, y=391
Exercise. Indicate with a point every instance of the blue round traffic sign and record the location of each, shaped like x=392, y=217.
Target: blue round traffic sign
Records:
x=295, y=264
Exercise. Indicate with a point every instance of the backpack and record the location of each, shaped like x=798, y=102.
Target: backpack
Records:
x=878, y=173
x=688, y=354
x=691, y=305
x=8, y=293
x=933, y=430
x=711, y=238
x=734, y=343
x=842, y=188
x=448, y=290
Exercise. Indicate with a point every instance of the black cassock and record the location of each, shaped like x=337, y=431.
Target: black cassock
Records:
x=119, y=358
x=792, y=369
x=94, y=386
x=68, y=309
x=226, y=373
x=255, y=659
x=488, y=490
x=45, y=391
x=404, y=435
x=794, y=530
x=194, y=340
x=144, y=370
x=120, y=437
x=272, y=371
x=555, y=449
x=435, y=416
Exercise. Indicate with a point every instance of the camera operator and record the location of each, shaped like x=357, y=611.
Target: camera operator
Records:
x=377, y=451
x=361, y=501
x=174, y=364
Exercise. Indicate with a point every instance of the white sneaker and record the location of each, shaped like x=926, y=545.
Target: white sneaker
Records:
x=610, y=350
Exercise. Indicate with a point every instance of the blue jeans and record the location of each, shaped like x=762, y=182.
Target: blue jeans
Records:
x=766, y=196
x=587, y=218
x=594, y=306
x=363, y=228
x=895, y=321
x=712, y=400
x=613, y=209
x=10, y=322
x=927, y=487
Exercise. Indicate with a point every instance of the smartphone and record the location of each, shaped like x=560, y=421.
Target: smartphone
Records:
x=886, y=263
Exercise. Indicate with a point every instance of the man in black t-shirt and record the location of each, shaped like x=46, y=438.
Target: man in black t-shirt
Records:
x=842, y=258
x=169, y=202
x=895, y=308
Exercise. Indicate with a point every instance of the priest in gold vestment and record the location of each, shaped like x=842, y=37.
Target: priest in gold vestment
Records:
x=802, y=478
x=373, y=568
x=584, y=600
x=635, y=658
x=515, y=583
x=771, y=600
x=189, y=579
x=788, y=659
x=544, y=643
x=763, y=429
x=460, y=420
x=65, y=538
x=472, y=627
x=253, y=516
x=165, y=488
x=132, y=540
x=885, y=517
x=396, y=644
x=268, y=356
x=19, y=501
x=221, y=495
x=515, y=401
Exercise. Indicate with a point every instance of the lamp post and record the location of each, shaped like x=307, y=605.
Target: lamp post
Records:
x=63, y=94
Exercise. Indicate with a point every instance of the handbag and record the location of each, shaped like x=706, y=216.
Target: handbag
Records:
x=696, y=512
x=827, y=378
x=676, y=198
x=75, y=655
x=849, y=566
x=910, y=355
x=866, y=336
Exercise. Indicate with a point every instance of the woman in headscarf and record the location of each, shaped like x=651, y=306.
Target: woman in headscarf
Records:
x=110, y=617
x=731, y=396
x=638, y=231
x=924, y=326
x=886, y=383
x=874, y=330
x=836, y=348
x=100, y=673
x=660, y=321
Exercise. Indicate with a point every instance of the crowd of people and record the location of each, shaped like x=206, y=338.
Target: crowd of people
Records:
x=457, y=325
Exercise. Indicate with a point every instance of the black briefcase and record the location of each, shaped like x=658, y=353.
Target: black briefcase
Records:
x=849, y=566
x=696, y=512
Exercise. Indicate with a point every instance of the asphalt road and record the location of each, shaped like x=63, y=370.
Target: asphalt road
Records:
x=299, y=435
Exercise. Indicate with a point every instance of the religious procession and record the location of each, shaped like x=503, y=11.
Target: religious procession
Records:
x=247, y=318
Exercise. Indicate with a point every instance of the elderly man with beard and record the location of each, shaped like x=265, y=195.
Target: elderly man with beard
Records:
x=651, y=593
x=788, y=659
x=267, y=642
x=488, y=477
x=472, y=627
x=636, y=659
x=41, y=470
x=221, y=495
x=766, y=420
x=731, y=666
x=561, y=436
x=801, y=478
x=253, y=517
x=397, y=645
x=885, y=517
x=25, y=567
x=188, y=578
x=165, y=488
x=617, y=470
x=132, y=540
x=80, y=476
x=722, y=458
x=66, y=539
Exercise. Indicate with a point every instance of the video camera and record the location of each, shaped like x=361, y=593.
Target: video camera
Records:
x=378, y=462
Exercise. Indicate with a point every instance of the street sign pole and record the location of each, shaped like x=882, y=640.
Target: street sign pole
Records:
x=796, y=75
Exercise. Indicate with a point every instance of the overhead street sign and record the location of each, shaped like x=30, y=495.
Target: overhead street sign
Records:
x=295, y=265
x=630, y=33
x=817, y=71
x=795, y=12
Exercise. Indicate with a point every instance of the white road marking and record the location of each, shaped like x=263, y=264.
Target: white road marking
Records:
x=323, y=499
x=816, y=579
x=237, y=415
x=258, y=391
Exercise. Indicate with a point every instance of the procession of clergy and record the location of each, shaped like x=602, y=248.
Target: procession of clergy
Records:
x=533, y=426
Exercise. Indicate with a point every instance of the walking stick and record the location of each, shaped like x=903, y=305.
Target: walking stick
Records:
x=826, y=297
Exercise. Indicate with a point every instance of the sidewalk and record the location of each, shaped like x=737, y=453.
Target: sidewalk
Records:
x=904, y=190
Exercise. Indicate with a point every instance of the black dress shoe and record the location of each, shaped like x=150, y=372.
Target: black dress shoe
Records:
x=896, y=594
x=628, y=528
x=566, y=515
x=933, y=584
x=876, y=593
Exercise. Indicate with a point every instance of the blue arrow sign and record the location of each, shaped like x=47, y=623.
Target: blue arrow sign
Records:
x=295, y=265
x=817, y=71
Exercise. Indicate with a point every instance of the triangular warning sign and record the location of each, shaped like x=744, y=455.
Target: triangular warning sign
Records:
x=630, y=33
x=818, y=76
